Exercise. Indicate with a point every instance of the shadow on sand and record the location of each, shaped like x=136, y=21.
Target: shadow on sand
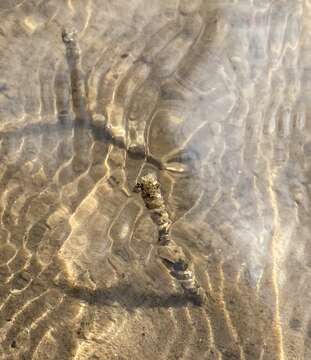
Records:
x=125, y=295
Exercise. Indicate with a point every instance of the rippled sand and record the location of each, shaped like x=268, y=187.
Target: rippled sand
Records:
x=213, y=96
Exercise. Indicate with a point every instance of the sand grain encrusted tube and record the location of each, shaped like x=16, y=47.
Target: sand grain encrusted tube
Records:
x=169, y=252
x=73, y=55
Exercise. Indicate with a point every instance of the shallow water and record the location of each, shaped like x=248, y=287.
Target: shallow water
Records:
x=212, y=96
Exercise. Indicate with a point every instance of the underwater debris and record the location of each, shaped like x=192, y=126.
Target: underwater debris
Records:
x=149, y=187
x=73, y=51
x=73, y=55
x=172, y=255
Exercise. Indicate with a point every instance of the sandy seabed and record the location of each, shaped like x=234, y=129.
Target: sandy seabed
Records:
x=213, y=97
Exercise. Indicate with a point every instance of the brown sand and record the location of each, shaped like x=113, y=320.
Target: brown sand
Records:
x=213, y=96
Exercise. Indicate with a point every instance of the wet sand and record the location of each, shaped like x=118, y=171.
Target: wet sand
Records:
x=213, y=97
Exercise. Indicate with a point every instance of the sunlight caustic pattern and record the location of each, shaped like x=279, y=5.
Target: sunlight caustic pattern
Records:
x=211, y=96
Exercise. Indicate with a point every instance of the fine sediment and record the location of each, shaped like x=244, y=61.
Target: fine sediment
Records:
x=214, y=95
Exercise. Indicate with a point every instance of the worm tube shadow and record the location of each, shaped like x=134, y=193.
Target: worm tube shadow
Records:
x=125, y=295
